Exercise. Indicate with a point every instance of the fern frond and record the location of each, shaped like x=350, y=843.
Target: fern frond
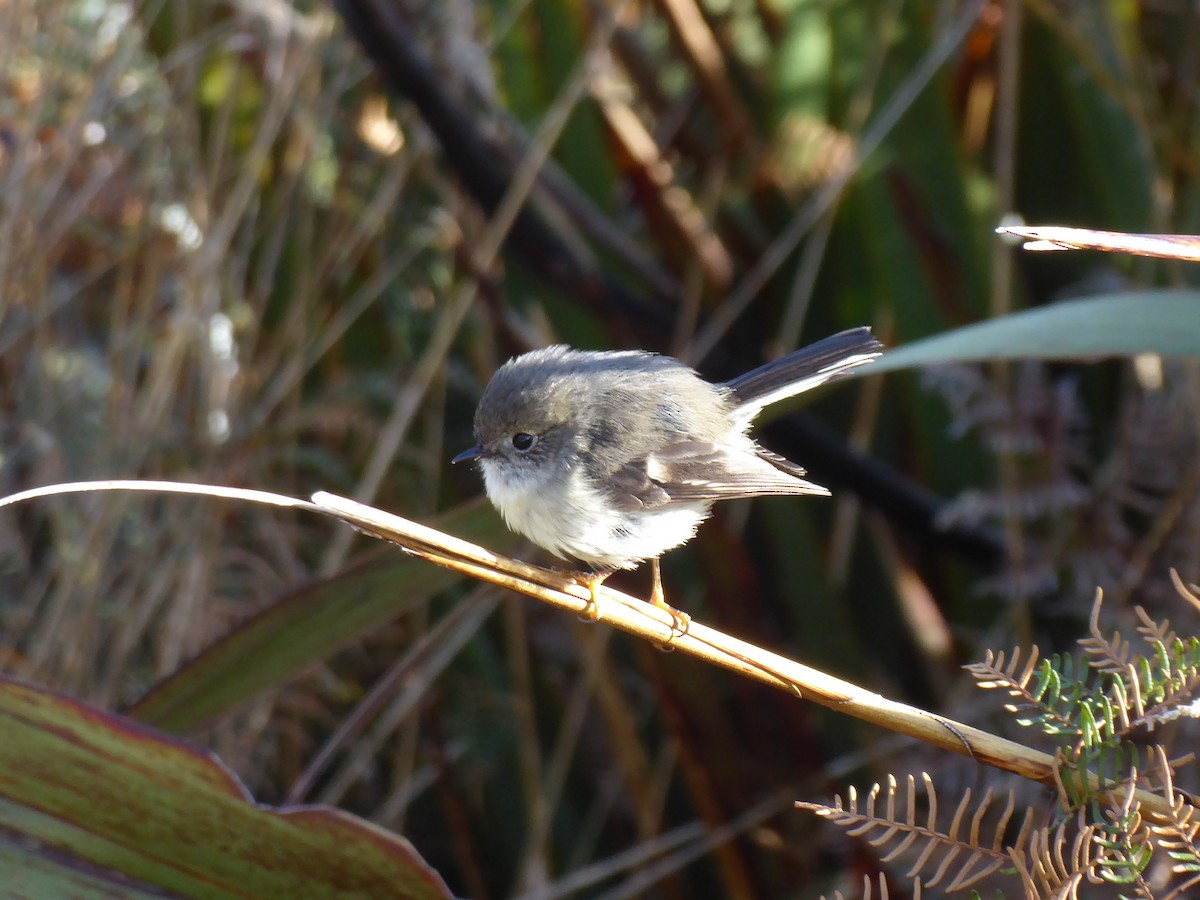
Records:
x=1095, y=705
x=1168, y=679
x=1084, y=773
x=1124, y=841
x=1015, y=680
x=896, y=834
x=993, y=673
x=1154, y=633
x=1190, y=593
x=1053, y=864
x=1173, y=707
x=1104, y=654
x=1178, y=833
x=867, y=889
x=1144, y=690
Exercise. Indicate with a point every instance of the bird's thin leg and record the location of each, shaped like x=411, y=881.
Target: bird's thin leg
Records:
x=679, y=620
x=592, y=581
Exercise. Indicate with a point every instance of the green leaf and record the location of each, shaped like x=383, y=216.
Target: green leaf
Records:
x=34, y=871
x=304, y=628
x=1126, y=324
x=102, y=806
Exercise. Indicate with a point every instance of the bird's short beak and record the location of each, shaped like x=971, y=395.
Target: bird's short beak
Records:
x=468, y=455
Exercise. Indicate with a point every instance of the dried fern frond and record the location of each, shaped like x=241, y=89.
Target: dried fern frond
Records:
x=1178, y=832
x=868, y=890
x=1104, y=654
x=1054, y=864
x=1189, y=592
x=959, y=857
x=993, y=673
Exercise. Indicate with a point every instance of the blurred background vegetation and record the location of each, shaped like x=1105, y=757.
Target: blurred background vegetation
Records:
x=250, y=243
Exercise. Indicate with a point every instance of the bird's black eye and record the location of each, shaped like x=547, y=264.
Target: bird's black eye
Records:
x=523, y=441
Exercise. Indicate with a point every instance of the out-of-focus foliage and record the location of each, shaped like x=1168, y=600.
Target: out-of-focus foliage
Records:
x=228, y=254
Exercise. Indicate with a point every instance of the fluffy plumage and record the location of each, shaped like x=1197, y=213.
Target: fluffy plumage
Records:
x=612, y=458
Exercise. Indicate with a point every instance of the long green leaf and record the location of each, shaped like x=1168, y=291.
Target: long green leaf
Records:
x=1163, y=322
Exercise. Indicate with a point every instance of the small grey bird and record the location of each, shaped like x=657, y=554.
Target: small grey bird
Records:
x=614, y=457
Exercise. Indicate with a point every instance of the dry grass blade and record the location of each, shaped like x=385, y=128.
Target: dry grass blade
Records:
x=1050, y=238
x=389, y=702
x=647, y=862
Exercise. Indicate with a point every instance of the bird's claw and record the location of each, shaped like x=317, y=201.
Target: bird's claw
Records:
x=680, y=621
x=592, y=581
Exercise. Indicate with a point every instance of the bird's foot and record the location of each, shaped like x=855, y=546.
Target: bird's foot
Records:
x=680, y=621
x=592, y=581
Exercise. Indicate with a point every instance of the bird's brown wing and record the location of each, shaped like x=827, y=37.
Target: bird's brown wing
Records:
x=694, y=471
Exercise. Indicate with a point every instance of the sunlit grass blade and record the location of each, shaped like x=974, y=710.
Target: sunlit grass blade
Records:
x=1052, y=237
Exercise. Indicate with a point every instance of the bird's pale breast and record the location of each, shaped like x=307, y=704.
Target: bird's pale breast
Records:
x=590, y=529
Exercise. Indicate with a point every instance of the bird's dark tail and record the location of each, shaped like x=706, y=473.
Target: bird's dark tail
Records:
x=802, y=370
